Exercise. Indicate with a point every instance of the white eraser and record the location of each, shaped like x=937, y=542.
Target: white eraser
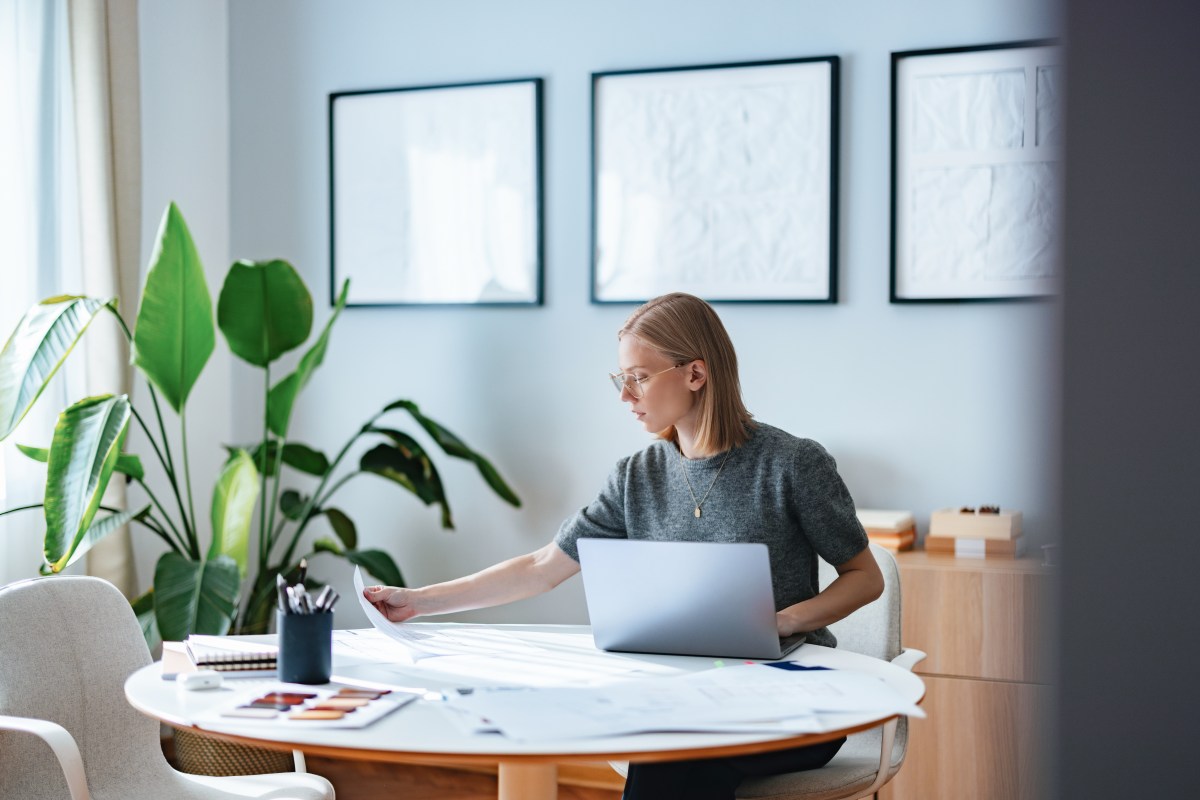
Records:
x=200, y=679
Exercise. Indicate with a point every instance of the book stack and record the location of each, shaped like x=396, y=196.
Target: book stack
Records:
x=229, y=655
x=895, y=530
x=985, y=532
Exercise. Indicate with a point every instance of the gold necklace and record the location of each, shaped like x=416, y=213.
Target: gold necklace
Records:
x=691, y=491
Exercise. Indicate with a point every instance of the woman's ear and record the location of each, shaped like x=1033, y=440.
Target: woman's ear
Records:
x=697, y=374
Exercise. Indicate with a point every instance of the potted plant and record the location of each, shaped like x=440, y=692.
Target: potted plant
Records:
x=263, y=311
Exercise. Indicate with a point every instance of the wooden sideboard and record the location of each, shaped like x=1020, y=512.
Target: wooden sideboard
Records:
x=984, y=624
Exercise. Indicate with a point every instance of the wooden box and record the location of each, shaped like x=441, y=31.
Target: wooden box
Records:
x=972, y=525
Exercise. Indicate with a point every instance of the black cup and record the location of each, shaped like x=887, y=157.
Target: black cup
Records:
x=305, y=647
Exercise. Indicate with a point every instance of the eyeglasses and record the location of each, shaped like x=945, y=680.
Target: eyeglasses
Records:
x=622, y=381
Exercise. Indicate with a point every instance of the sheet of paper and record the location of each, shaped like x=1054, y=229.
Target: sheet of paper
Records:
x=226, y=643
x=745, y=698
x=417, y=643
x=490, y=656
x=815, y=690
x=567, y=713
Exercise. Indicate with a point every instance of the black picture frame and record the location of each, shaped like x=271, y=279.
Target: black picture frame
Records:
x=751, y=217
x=436, y=194
x=976, y=197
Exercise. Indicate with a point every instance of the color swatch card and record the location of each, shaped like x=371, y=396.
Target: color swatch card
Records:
x=285, y=705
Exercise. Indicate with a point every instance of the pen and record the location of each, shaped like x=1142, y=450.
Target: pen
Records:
x=302, y=599
x=303, y=571
x=281, y=590
x=293, y=603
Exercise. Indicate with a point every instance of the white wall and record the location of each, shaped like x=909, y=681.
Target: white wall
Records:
x=923, y=406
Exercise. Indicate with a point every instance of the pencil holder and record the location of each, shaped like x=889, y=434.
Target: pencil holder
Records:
x=305, y=647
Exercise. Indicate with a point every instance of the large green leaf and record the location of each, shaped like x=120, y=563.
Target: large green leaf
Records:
x=264, y=310
x=299, y=457
x=282, y=396
x=174, y=336
x=127, y=463
x=37, y=348
x=83, y=454
x=101, y=528
x=343, y=526
x=233, y=502
x=405, y=463
x=453, y=446
x=376, y=562
x=292, y=504
x=194, y=596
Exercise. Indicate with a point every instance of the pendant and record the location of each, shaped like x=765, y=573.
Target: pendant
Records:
x=697, y=512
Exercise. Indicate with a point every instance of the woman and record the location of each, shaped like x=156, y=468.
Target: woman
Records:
x=713, y=475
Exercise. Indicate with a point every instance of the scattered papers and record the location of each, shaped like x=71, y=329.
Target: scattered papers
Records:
x=752, y=698
x=535, y=686
x=489, y=655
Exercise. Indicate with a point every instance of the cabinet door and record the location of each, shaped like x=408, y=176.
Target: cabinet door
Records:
x=977, y=621
x=981, y=740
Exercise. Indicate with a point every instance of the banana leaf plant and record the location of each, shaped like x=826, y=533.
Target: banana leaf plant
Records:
x=264, y=311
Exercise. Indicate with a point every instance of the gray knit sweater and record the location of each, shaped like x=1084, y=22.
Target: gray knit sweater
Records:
x=776, y=489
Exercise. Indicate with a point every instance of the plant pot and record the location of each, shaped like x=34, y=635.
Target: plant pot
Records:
x=203, y=755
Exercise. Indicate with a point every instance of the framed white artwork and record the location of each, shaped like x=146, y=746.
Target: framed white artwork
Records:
x=717, y=180
x=436, y=194
x=977, y=136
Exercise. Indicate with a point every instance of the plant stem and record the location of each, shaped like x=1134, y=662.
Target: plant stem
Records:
x=172, y=474
x=338, y=485
x=22, y=508
x=306, y=516
x=264, y=533
x=154, y=444
x=278, y=478
x=156, y=527
x=187, y=478
x=164, y=455
x=166, y=516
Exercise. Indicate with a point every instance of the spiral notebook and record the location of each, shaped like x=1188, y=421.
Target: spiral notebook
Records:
x=226, y=655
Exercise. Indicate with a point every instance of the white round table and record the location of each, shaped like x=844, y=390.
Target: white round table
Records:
x=421, y=732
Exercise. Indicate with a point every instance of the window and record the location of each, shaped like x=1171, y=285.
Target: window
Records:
x=39, y=236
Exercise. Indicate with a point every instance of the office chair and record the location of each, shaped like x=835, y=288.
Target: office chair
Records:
x=869, y=759
x=67, y=644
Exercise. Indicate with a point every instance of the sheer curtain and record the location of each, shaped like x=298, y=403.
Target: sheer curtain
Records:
x=39, y=242
x=104, y=68
x=69, y=213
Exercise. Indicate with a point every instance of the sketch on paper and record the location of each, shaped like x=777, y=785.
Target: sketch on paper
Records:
x=715, y=180
x=436, y=194
x=977, y=186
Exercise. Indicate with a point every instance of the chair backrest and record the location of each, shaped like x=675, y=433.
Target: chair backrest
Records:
x=67, y=644
x=874, y=629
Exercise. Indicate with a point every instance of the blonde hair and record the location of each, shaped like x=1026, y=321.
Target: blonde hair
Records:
x=684, y=328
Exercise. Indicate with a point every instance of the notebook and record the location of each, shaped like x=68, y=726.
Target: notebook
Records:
x=230, y=655
x=682, y=598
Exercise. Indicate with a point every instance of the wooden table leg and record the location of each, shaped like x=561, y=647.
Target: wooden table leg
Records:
x=528, y=781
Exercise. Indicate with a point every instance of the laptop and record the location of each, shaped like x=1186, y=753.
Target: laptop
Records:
x=682, y=598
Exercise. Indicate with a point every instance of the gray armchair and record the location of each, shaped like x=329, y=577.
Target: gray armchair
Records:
x=67, y=645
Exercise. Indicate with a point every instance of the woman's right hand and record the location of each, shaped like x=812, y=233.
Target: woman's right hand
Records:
x=395, y=603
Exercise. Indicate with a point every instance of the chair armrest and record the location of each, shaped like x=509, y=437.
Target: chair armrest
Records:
x=909, y=657
x=63, y=745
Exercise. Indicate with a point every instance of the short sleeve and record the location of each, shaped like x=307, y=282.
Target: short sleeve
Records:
x=827, y=512
x=604, y=518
